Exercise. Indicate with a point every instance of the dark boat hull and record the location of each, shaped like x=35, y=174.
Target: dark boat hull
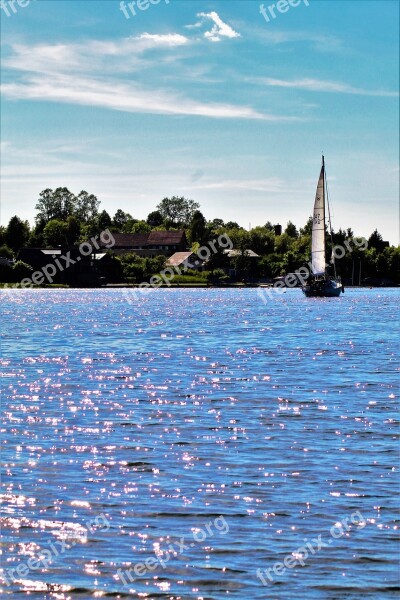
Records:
x=327, y=288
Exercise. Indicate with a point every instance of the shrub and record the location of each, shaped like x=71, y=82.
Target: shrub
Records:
x=21, y=271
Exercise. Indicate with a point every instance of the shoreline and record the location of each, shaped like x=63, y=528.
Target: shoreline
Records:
x=118, y=286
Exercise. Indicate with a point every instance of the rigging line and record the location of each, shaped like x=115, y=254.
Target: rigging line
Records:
x=330, y=221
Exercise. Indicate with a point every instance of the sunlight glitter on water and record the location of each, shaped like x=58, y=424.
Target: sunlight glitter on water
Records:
x=190, y=405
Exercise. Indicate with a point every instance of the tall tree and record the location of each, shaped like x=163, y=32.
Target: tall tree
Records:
x=17, y=233
x=104, y=220
x=73, y=230
x=155, y=219
x=376, y=241
x=61, y=203
x=54, y=204
x=233, y=225
x=87, y=206
x=198, y=230
x=177, y=211
x=121, y=218
x=216, y=224
x=291, y=230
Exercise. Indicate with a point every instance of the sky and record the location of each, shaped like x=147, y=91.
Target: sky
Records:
x=210, y=100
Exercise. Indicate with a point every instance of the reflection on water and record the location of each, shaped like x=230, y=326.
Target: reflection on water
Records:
x=129, y=428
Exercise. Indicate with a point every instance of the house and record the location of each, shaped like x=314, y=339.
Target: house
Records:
x=150, y=244
x=185, y=260
x=69, y=266
x=242, y=263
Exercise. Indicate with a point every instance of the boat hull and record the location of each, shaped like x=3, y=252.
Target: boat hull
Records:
x=323, y=289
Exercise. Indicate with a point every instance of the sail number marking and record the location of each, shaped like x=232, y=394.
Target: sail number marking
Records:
x=317, y=219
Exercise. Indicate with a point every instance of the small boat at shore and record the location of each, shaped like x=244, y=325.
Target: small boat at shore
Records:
x=321, y=284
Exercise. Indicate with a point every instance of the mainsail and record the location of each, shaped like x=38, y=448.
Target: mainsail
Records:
x=318, y=259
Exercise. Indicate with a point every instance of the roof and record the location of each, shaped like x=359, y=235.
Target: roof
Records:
x=51, y=252
x=179, y=258
x=143, y=240
x=166, y=237
x=249, y=253
x=129, y=240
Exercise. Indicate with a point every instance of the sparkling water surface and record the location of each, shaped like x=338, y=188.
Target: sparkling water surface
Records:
x=210, y=433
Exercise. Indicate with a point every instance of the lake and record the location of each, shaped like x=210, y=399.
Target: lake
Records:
x=200, y=444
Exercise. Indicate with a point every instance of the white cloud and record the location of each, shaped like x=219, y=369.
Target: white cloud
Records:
x=94, y=74
x=171, y=39
x=318, y=85
x=218, y=30
x=127, y=97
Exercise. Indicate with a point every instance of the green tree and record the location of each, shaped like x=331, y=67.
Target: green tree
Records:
x=269, y=227
x=36, y=238
x=17, y=233
x=139, y=227
x=73, y=231
x=376, y=241
x=155, y=219
x=121, y=218
x=232, y=225
x=21, y=271
x=6, y=252
x=262, y=240
x=56, y=233
x=291, y=230
x=177, y=211
x=2, y=235
x=216, y=225
x=54, y=204
x=86, y=207
x=104, y=221
x=198, y=229
x=307, y=229
x=60, y=204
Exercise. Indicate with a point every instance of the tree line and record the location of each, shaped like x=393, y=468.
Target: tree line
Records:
x=65, y=219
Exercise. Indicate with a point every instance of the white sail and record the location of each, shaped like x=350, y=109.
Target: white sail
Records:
x=318, y=259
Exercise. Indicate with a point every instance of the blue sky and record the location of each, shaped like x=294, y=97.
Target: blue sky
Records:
x=207, y=100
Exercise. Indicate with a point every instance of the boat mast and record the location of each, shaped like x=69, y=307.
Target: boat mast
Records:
x=329, y=214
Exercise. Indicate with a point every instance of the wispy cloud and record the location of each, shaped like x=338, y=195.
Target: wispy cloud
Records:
x=273, y=184
x=323, y=42
x=219, y=30
x=94, y=74
x=319, y=85
x=127, y=97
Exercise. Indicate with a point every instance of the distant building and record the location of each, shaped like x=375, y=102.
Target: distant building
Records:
x=185, y=260
x=150, y=244
x=70, y=267
x=234, y=253
x=38, y=258
x=278, y=229
x=251, y=269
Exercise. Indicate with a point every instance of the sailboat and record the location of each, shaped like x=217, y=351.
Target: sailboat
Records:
x=320, y=283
